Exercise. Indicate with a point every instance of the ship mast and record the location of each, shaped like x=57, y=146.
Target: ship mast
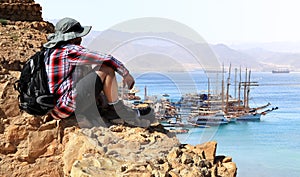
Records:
x=239, y=90
x=245, y=87
x=248, y=88
x=222, y=94
x=227, y=91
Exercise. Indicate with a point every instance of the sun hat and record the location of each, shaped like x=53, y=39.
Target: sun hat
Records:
x=66, y=29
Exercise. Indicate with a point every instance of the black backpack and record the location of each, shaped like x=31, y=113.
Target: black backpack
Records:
x=34, y=94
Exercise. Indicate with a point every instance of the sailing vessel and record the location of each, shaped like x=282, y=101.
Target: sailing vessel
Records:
x=209, y=113
x=242, y=111
x=223, y=108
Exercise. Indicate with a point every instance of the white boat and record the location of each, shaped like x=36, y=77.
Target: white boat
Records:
x=211, y=119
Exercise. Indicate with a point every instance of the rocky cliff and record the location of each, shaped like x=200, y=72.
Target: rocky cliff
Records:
x=60, y=148
x=20, y=10
x=29, y=146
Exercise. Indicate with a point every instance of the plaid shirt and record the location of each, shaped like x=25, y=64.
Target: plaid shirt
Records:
x=61, y=62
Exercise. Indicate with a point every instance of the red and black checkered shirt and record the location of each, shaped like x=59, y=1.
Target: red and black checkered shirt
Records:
x=61, y=62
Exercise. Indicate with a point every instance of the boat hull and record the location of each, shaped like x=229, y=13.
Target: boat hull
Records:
x=249, y=117
x=278, y=71
x=211, y=123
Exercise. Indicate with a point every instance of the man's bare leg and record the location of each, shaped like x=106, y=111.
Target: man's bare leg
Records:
x=110, y=89
x=110, y=85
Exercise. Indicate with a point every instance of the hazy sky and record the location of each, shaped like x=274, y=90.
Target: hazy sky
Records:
x=217, y=21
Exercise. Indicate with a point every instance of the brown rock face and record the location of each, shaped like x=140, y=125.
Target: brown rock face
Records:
x=22, y=32
x=208, y=150
x=19, y=41
x=61, y=148
x=103, y=151
x=20, y=10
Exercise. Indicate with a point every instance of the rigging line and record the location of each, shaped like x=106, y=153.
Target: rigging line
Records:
x=275, y=84
x=261, y=95
x=281, y=84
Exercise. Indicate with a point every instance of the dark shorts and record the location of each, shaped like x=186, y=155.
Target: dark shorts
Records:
x=88, y=89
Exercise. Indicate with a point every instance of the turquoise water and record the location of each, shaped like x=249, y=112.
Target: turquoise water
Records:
x=270, y=147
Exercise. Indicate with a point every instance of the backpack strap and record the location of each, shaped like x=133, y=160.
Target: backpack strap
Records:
x=47, y=53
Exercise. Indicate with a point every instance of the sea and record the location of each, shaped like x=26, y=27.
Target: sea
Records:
x=266, y=148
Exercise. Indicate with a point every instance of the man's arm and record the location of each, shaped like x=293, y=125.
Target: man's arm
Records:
x=81, y=55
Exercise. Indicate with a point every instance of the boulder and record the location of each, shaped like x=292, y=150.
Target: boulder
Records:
x=208, y=150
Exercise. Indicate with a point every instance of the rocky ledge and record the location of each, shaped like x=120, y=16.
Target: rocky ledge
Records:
x=60, y=148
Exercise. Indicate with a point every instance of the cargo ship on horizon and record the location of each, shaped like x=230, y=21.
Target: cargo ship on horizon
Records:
x=281, y=70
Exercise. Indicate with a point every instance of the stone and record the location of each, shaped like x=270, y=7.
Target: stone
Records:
x=49, y=125
x=189, y=147
x=138, y=167
x=7, y=148
x=2, y=127
x=39, y=141
x=95, y=166
x=118, y=129
x=231, y=168
x=16, y=133
x=186, y=159
x=195, y=172
x=227, y=159
x=174, y=153
x=226, y=169
x=76, y=146
x=3, y=87
x=158, y=173
x=174, y=173
x=11, y=108
x=34, y=121
x=209, y=150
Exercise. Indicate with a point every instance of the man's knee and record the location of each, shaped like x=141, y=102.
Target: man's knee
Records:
x=107, y=69
x=104, y=71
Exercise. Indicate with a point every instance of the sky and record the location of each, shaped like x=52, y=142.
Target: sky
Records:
x=217, y=21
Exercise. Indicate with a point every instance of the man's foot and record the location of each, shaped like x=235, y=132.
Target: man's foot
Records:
x=148, y=114
x=121, y=111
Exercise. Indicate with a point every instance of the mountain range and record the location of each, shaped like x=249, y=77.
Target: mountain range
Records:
x=256, y=57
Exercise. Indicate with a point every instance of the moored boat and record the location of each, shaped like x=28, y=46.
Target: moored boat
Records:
x=179, y=130
x=249, y=117
x=211, y=122
x=212, y=119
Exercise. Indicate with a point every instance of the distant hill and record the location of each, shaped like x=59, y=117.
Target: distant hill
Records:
x=272, y=60
x=255, y=58
x=282, y=47
x=237, y=58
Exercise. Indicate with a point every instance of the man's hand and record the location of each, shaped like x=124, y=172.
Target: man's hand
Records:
x=129, y=81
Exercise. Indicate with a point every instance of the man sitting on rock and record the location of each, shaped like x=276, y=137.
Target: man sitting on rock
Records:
x=69, y=66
